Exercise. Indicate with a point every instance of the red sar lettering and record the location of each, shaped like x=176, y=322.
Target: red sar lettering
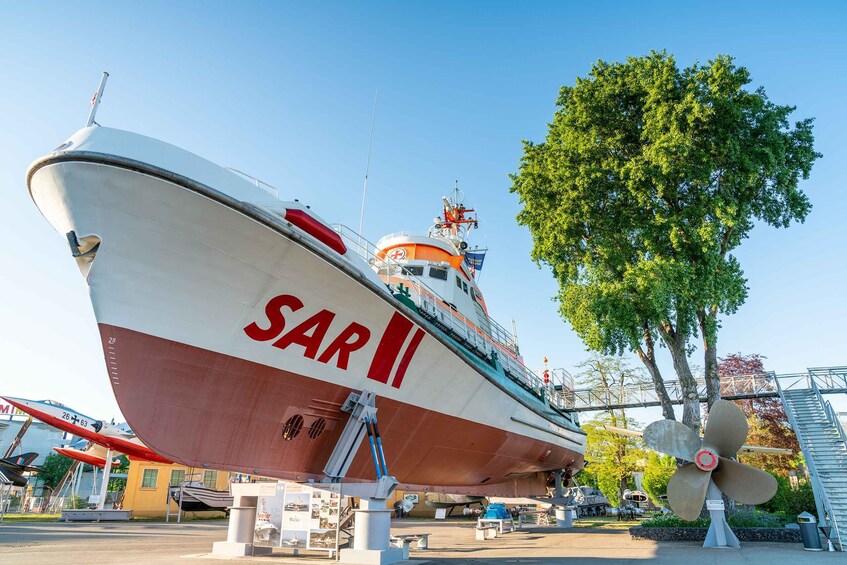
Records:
x=310, y=333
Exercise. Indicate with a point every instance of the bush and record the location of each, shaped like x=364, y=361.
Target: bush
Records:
x=671, y=521
x=755, y=519
x=739, y=519
x=791, y=502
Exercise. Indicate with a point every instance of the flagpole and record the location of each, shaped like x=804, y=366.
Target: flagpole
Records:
x=95, y=102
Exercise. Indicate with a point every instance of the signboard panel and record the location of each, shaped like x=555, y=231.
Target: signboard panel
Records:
x=269, y=519
x=714, y=505
x=299, y=517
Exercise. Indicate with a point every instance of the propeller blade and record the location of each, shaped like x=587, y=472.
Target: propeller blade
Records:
x=743, y=483
x=726, y=428
x=673, y=438
x=687, y=491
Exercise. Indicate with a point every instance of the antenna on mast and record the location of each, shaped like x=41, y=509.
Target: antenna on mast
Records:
x=95, y=100
x=367, y=167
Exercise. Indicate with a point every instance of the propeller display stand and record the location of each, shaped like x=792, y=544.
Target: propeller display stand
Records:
x=719, y=534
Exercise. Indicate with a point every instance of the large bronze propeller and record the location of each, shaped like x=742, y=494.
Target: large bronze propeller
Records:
x=726, y=432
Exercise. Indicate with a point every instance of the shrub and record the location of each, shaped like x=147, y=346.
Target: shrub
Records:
x=755, y=519
x=739, y=519
x=791, y=502
x=671, y=521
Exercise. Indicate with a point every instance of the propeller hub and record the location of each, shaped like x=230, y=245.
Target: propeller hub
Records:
x=706, y=459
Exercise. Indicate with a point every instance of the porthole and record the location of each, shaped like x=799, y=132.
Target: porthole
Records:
x=317, y=428
x=292, y=427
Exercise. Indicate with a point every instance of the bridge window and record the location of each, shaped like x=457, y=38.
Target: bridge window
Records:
x=465, y=287
x=437, y=273
x=415, y=270
x=459, y=282
x=149, y=478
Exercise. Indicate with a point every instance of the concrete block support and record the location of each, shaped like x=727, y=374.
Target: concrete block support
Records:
x=372, y=533
x=242, y=523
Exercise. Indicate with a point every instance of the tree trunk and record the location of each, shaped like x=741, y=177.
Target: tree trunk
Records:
x=648, y=357
x=690, y=394
x=710, y=353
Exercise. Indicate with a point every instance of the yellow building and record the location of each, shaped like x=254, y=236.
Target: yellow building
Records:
x=147, y=487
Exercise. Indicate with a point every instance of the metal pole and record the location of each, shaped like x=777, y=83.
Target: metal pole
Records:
x=367, y=167
x=107, y=471
x=95, y=102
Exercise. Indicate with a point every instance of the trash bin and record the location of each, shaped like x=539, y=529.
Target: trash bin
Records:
x=809, y=532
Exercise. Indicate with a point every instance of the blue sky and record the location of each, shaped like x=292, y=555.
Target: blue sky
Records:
x=285, y=91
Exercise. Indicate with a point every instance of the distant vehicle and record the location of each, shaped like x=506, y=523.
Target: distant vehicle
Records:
x=59, y=416
x=194, y=496
x=13, y=468
x=589, y=502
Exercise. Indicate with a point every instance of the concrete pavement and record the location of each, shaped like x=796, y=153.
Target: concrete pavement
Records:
x=450, y=542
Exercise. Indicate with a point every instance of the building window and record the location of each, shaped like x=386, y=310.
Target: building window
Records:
x=177, y=477
x=148, y=479
x=437, y=273
x=210, y=479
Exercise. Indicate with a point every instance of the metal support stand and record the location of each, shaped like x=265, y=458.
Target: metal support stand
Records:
x=104, y=488
x=179, y=511
x=719, y=534
x=5, y=496
x=372, y=519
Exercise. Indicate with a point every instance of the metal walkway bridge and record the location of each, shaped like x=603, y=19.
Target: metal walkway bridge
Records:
x=827, y=380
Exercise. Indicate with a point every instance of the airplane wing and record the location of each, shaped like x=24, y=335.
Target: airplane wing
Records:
x=750, y=449
x=93, y=454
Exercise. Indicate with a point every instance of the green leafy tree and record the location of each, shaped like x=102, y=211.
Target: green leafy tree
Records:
x=119, y=484
x=657, y=474
x=650, y=176
x=610, y=457
x=54, y=468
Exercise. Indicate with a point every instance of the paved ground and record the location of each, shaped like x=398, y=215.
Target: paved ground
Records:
x=451, y=543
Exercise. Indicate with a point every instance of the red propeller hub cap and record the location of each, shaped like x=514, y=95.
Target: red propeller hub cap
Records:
x=706, y=459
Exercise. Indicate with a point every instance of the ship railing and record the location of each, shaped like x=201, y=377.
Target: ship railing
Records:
x=258, y=182
x=498, y=342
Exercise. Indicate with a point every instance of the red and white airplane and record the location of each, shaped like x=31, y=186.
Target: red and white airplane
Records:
x=99, y=432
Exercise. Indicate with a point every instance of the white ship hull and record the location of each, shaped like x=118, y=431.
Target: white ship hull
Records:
x=200, y=297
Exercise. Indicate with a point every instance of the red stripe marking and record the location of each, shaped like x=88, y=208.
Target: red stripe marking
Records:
x=407, y=358
x=389, y=348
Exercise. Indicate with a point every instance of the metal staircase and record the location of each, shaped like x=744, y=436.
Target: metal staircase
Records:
x=822, y=440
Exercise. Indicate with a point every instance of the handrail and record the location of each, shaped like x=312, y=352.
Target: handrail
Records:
x=258, y=182
x=830, y=415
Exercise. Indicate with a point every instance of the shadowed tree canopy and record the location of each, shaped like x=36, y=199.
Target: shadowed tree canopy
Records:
x=650, y=176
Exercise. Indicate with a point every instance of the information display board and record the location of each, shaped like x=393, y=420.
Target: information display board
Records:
x=299, y=516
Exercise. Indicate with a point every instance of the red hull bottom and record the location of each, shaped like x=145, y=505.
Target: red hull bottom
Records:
x=211, y=410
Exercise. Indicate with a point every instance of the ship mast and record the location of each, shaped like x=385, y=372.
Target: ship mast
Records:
x=456, y=220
